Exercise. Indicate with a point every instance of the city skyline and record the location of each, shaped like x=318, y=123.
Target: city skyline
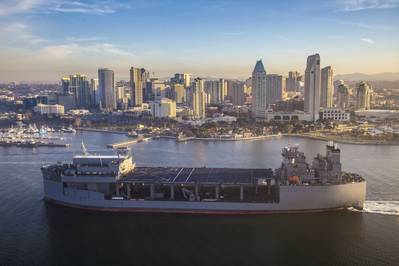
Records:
x=43, y=40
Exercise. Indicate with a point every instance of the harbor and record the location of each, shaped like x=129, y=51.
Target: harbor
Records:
x=31, y=136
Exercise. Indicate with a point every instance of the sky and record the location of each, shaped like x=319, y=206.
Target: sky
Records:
x=42, y=40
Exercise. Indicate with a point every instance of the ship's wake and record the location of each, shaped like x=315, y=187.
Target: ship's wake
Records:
x=386, y=207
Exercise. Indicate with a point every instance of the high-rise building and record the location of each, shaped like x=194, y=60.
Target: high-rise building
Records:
x=106, y=87
x=198, y=98
x=158, y=89
x=292, y=81
x=136, y=85
x=145, y=76
x=94, y=93
x=179, y=93
x=343, y=96
x=235, y=92
x=216, y=89
x=259, y=90
x=327, y=89
x=187, y=80
x=80, y=88
x=312, y=86
x=363, y=96
x=178, y=79
x=163, y=108
x=65, y=85
x=275, y=85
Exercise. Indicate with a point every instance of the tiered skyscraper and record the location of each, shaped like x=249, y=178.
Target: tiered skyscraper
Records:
x=326, y=98
x=312, y=86
x=259, y=90
x=106, y=87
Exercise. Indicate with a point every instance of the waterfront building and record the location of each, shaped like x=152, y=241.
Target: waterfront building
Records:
x=326, y=97
x=336, y=114
x=343, y=96
x=275, y=86
x=282, y=116
x=363, y=96
x=259, y=90
x=198, y=98
x=66, y=100
x=163, y=108
x=47, y=109
x=312, y=86
x=106, y=87
x=292, y=81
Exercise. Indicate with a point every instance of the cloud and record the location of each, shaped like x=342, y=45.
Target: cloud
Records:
x=19, y=33
x=13, y=7
x=361, y=25
x=357, y=5
x=64, y=51
x=369, y=41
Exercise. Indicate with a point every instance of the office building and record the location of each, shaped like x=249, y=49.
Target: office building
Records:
x=179, y=93
x=275, y=86
x=94, y=93
x=80, y=88
x=187, y=80
x=312, y=86
x=292, y=81
x=235, y=92
x=327, y=89
x=65, y=85
x=163, y=108
x=106, y=87
x=259, y=90
x=137, y=79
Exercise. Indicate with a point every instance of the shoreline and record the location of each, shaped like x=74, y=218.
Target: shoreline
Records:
x=338, y=140
x=321, y=138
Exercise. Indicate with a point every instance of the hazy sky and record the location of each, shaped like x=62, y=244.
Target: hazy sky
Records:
x=41, y=40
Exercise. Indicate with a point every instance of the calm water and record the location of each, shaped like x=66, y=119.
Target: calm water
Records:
x=33, y=232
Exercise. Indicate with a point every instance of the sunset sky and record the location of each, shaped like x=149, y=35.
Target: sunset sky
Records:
x=41, y=40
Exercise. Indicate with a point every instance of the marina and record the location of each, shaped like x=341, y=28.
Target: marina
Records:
x=31, y=136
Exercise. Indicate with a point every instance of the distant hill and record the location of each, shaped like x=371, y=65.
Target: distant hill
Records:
x=386, y=76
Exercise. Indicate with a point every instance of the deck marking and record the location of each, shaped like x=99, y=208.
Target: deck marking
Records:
x=192, y=170
x=177, y=175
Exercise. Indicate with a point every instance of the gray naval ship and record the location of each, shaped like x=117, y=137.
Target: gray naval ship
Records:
x=115, y=183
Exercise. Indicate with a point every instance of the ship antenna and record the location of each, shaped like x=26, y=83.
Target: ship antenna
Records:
x=85, y=152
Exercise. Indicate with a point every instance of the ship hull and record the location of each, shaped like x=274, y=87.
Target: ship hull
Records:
x=293, y=199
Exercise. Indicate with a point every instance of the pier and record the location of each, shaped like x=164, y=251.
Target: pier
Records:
x=127, y=143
